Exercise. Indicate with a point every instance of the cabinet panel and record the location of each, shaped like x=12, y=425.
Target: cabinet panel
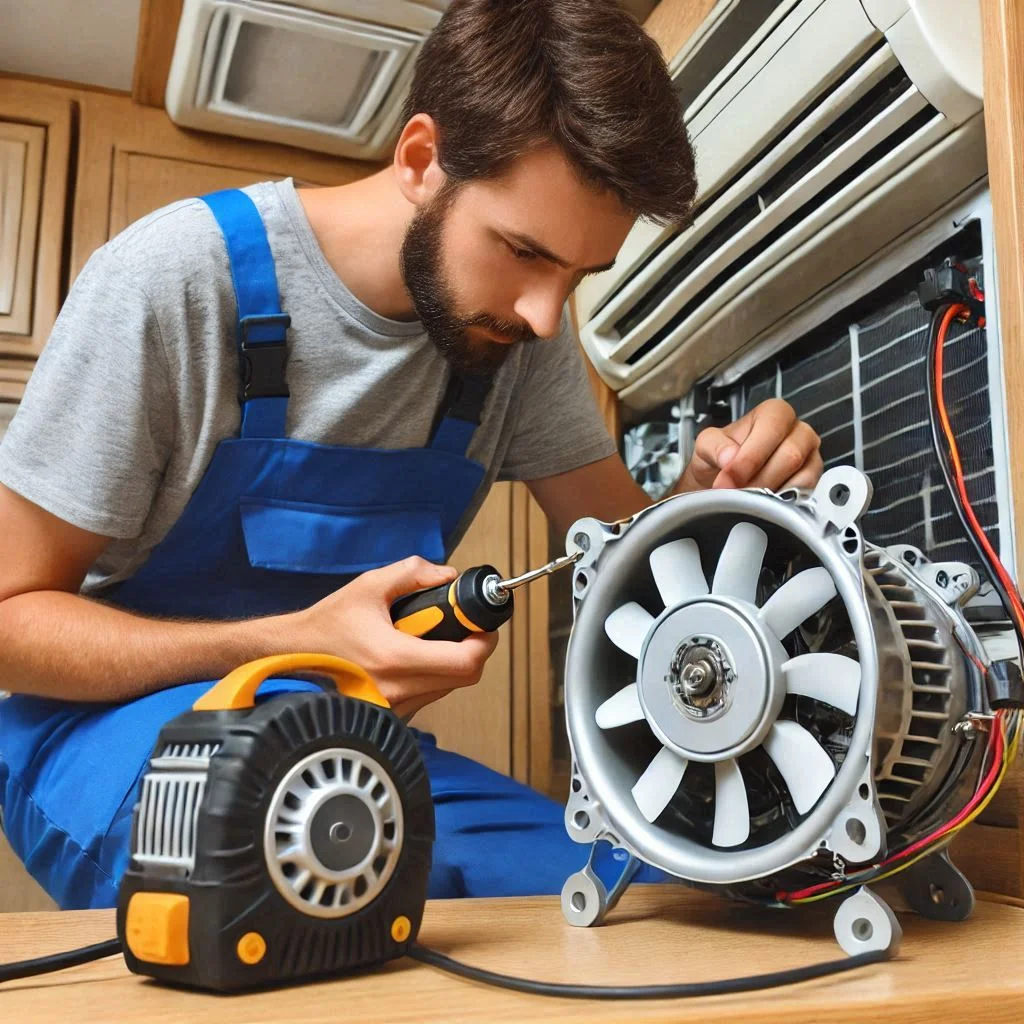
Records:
x=35, y=152
x=134, y=159
x=21, y=183
x=144, y=183
x=13, y=378
x=477, y=721
x=673, y=22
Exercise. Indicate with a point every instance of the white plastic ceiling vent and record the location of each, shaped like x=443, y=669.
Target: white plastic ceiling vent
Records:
x=331, y=79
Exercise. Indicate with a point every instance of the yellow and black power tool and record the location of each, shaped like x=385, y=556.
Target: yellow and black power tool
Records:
x=278, y=841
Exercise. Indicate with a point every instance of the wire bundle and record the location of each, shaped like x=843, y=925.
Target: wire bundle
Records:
x=1008, y=723
x=1003, y=748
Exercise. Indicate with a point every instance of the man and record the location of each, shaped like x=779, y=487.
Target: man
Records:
x=156, y=531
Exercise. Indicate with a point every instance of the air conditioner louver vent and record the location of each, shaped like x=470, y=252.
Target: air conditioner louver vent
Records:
x=833, y=131
x=869, y=162
x=842, y=129
x=727, y=36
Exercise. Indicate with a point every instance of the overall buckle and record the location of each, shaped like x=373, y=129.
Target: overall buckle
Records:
x=263, y=356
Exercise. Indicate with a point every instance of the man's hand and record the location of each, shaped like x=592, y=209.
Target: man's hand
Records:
x=769, y=447
x=355, y=623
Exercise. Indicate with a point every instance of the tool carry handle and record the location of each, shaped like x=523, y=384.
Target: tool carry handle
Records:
x=237, y=690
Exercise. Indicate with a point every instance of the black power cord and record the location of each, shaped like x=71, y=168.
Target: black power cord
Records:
x=74, y=957
x=59, y=961
x=691, y=989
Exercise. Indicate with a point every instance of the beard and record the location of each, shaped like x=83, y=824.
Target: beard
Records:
x=433, y=299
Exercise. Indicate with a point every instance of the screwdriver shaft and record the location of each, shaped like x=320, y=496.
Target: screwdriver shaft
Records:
x=535, y=574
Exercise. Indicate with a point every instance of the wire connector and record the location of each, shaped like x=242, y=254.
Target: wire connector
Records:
x=1005, y=685
x=950, y=284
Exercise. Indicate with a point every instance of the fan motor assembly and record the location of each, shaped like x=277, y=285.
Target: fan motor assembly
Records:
x=757, y=699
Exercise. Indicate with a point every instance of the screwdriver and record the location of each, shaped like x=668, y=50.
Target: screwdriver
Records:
x=477, y=601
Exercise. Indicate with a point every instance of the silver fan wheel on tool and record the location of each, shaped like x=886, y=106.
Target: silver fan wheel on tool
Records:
x=333, y=833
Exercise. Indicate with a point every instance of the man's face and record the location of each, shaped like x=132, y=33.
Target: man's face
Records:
x=491, y=263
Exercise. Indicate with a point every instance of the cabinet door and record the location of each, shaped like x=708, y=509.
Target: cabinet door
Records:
x=35, y=147
x=144, y=183
x=477, y=721
x=21, y=183
x=134, y=160
x=13, y=378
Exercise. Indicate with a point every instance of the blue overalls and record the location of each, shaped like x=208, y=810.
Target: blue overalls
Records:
x=274, y=526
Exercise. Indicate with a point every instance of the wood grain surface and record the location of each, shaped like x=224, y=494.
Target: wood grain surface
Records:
x=658, y=934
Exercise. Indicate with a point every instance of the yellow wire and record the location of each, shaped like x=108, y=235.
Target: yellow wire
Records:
x=1010, y=748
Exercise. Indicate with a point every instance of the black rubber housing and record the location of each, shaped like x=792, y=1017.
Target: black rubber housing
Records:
x=230, y=891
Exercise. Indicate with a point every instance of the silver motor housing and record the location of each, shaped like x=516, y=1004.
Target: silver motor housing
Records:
x=754, y=696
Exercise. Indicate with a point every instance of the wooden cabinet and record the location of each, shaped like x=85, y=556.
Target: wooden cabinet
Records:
x=14, y=374
x=35, y=151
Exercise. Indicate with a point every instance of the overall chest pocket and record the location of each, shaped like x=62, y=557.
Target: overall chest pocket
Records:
x=303, y=537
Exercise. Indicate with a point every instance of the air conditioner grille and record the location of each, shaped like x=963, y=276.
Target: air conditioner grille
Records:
x=751, y=208
x=677, y=274
x=844, y=128
x=728, y=37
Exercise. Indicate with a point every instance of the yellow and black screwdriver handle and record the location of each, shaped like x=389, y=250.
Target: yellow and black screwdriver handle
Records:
x=454, y=610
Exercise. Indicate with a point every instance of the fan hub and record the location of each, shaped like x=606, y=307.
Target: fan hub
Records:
x=710, y=680
x=699, y=676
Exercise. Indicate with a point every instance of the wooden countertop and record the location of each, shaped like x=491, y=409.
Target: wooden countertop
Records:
x=657, y=934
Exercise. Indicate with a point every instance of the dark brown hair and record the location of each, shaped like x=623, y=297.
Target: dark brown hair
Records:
x=503, y=77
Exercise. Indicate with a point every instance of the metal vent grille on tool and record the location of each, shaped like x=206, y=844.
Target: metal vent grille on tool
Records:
x=172, y=793
x=756, y=698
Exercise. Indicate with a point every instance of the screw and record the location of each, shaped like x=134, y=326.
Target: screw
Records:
x=340, y=832
x=582, y=541
x=697, y=678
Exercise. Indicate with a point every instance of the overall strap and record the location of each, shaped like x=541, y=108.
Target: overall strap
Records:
x=262, y=326
x=460, y=413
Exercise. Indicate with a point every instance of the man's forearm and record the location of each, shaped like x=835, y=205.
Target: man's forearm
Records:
x=54, y=644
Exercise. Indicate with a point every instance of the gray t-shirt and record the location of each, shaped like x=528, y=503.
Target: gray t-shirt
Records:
x=138, y=382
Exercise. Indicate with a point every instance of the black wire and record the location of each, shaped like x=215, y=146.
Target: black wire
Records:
x=943, y=457
x=687, y=990
x=74, y=957
x=59, y=961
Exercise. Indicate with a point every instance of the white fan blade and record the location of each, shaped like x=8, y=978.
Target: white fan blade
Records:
x=797, y=599
x=658, y=784
x=739, y=564
x=831, y=678
x=677, y=571
x=620, y=709
x=732, y=815
x=803, y=763
x=627, y=626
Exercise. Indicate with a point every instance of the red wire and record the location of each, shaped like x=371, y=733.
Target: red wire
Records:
x=997, y=761
x=1008, y=585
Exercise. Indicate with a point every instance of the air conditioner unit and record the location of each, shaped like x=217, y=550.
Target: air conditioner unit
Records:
x=797, y=279
x=829, y=129
x=327, y=75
